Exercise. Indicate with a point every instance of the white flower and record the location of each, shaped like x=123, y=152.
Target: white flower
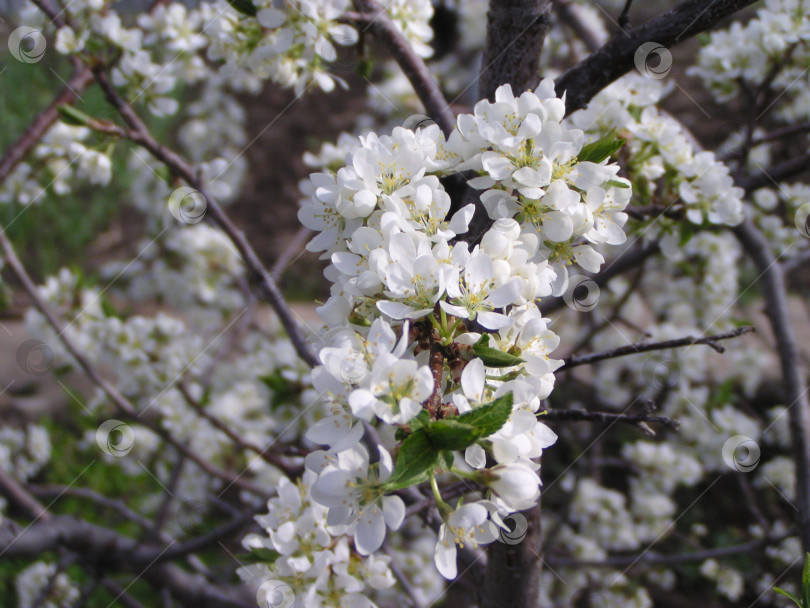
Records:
x=396, y=389
x=469, y=526
x=415, y=278
x=516, y=485
x=350, y=490
x=476, y=294
x=67, y=42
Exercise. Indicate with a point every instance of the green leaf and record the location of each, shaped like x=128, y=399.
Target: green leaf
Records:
x=493, y=357
x=357, y=319
x=446, y=460
x=617, y=184
x=275, y=381
x=687, y=232
x=738, y=322
x=806, y=581
x=422, y=420
x=364, y=68
x=789, y=595
x=164, y=173
x=73, y=116
x=415, y=461
x=284, y=392
x=108, y=309
x=245, y=7
x=489, y=418
x=599, y=150
x=462, y=431
x=264, y=555
x=450, y=434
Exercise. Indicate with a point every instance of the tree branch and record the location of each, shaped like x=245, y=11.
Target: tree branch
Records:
x=570, y=14
x=290, y=253
x=796, y=394
x=627, y=260
x=114, y=552
x=516, y=30
x=774, y=174
x=56, y=491
x=78, y=82
x=611, y=417
x=513, y=570
x=139, y=133
x=18, y=495
x=655, y=559
x=263, y=453
x=425, y=86
x=582, y=82
x=643, y=347
x=124, y=406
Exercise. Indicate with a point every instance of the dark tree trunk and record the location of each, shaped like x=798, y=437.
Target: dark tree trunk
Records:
x=516, y=30
x=512, y=578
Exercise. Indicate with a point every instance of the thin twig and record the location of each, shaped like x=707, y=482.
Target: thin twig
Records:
x=234, y=436
x=655, y=559
x=610, y=417
x=643, y=347
x=139, y=133
x=624, y=17
x=117, y=552
x=124, y=406
x=773, y=174
x=290, y=252
x=52, y=491
x=425, y=86
x=79, y=81
x=44, y=120
x=22, y=498
x=121, y=595
x=171, y=488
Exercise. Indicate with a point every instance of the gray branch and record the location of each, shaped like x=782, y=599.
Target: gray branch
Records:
x=772, y=279
x=425, y=86
x=643, y=347
x=657, y=559
x=617, y=57
x=114, y=552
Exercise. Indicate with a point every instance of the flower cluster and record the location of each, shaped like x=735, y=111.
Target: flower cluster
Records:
x=664, y=163
x=289, y=45
x=438, y=341
x=23, y=452
x=143, y=74
x=293, y=44
x=64, y=158
x=783, y=215
x=436, y=364
x=42, y=585
x=772, y=47
x=306, y=559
